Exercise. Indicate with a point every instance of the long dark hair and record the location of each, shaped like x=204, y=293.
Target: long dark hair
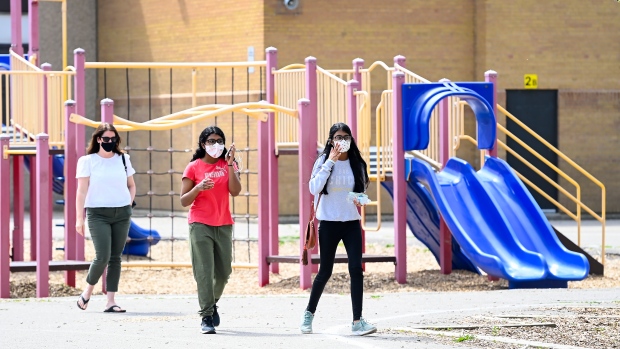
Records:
x=202, y=139
x=358, y=165
x=93, y=146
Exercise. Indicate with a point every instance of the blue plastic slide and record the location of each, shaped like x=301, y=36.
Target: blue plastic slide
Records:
x=530, y=225
x=485, y=212
x=423, y=221
x=140, y=241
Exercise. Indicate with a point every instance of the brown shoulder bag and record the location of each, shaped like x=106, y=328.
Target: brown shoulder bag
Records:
x=311, y=235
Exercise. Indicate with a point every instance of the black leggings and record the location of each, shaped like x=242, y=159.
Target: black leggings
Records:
x=330, y=234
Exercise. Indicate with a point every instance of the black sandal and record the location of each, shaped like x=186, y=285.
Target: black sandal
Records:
x=84, y=301
x=111, y=309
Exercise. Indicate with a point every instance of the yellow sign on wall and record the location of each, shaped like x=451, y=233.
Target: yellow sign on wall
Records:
x=530, y=81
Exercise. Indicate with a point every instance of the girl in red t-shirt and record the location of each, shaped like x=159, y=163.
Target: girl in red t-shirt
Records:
x=208, y=180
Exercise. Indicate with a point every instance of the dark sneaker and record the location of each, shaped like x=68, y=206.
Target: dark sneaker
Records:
x=207, y=325
x=216, y=317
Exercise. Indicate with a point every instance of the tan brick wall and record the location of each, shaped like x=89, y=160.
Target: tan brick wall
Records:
x=588, y=134
x=570, y=44
x=436, y=40
x=572, y=47
x=186, y=31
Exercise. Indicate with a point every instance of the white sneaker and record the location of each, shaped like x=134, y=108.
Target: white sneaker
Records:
x=362, y=328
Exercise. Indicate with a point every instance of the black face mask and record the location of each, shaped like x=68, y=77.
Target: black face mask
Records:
x=108, y=146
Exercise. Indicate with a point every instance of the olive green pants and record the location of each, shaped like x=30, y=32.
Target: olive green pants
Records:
x=211, y=252
x=108, y=228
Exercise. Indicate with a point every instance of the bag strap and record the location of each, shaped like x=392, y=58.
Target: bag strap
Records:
x=313, y=209
x=124, y=164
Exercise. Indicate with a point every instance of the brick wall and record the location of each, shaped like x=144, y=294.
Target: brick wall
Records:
x=436, y=40
x=571, y=45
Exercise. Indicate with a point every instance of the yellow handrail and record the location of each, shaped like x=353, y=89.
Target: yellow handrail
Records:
x=576, y=199
x=167, y=65
x=600, y=218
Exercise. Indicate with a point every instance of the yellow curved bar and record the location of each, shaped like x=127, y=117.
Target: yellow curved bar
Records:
x=162, y=125
x=79, y=119
x=293, y=66
x=164, y=65
x=377, y=64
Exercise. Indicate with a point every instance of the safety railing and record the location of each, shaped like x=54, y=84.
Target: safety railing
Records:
x=34, y=102
x=342, y=74
x=574, y=198
x=289, y=88
x=331, y=102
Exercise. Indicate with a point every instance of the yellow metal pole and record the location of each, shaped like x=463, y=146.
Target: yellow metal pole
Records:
x=194, y=87
x=64, y=47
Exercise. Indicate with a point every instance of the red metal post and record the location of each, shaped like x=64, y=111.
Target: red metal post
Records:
x=70, y=191
x=271, y=56
x=79, y=61
x=5, y=217
x=311, y=128
x=18, y=208
x=307, y=154
x=445, y=237
x=398, y=176
x=44, y=220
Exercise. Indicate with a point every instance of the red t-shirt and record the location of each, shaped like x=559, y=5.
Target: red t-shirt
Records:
x=211, y=207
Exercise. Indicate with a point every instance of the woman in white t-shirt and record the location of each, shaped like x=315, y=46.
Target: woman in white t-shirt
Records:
x=106, y=190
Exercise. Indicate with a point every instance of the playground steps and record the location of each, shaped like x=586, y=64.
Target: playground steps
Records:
x=340, y=258
x=18, y=267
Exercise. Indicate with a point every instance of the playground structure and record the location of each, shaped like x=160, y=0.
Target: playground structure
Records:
x=302, y=101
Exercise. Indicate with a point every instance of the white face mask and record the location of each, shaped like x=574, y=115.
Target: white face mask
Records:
x=215, y=150
x=344, y=145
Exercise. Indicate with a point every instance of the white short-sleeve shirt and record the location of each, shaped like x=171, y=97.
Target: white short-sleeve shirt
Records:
x=108, y=180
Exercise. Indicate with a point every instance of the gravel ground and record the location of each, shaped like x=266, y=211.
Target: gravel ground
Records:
x=588, y=326
x=423, y=275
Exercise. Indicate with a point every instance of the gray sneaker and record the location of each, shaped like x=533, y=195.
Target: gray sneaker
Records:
x=362, y=328
x=306, y=322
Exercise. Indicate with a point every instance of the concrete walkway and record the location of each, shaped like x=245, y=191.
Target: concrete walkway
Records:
x=263, y=321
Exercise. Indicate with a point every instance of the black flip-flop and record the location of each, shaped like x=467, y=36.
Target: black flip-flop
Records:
x=111, y=309
x=85, y=301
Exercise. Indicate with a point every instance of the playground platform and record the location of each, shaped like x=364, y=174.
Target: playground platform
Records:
x=272, y=321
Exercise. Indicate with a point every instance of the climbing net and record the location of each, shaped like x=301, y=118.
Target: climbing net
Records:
x=159, y=158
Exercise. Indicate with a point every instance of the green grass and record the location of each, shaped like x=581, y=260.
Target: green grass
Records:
x=374, y=296
x=496, y=330
x=464, y=338
x=285, y=239
x=389, y=245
